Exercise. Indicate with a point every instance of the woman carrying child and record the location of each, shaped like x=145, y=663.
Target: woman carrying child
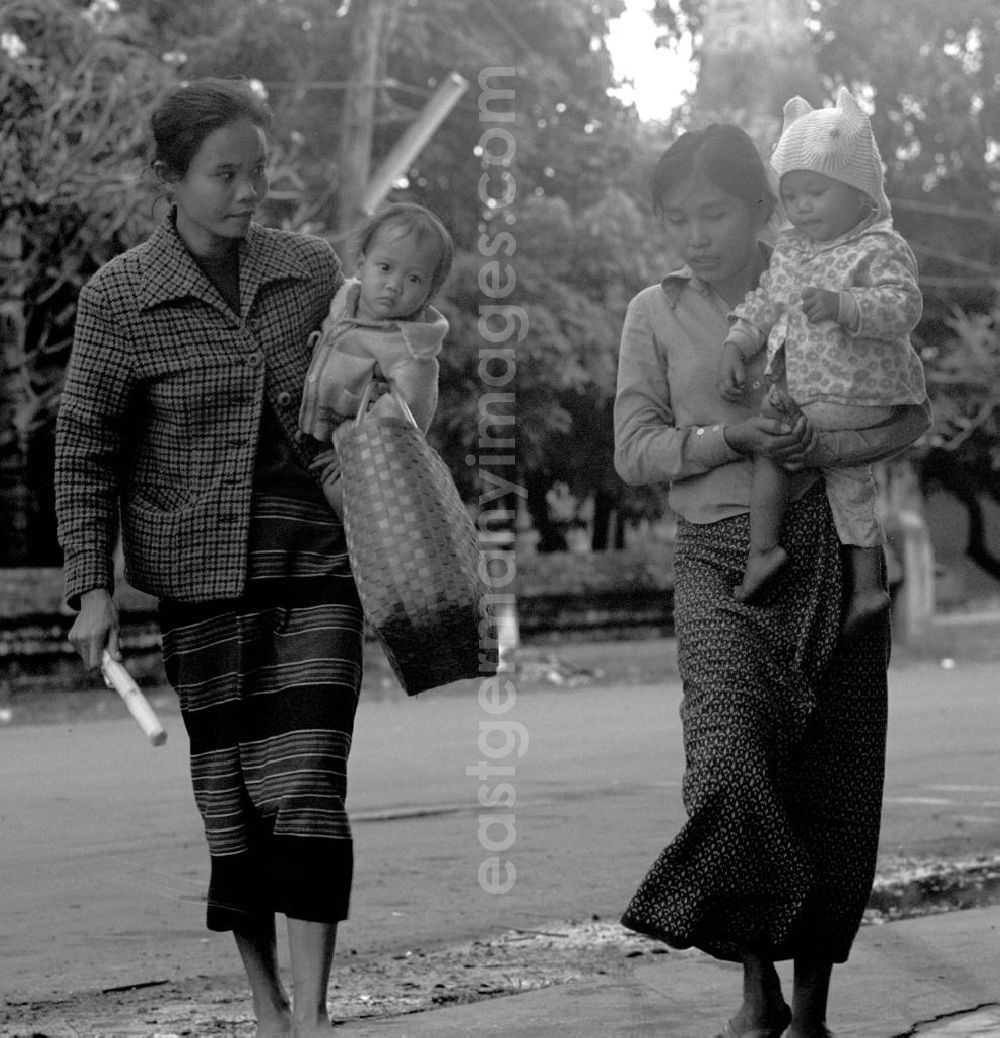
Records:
x=784, y=722
x=179, y=416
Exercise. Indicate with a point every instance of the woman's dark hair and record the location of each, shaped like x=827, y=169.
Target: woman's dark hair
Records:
x=722, y=154
x=189, y=113
x=414, y=219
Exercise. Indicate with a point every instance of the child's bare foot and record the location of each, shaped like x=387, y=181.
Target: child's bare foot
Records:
x=779, y=399
x=862, y=609
x=762, y=567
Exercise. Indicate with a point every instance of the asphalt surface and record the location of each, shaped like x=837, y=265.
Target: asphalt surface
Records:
x=105, y=867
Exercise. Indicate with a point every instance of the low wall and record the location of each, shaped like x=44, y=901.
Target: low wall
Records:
x=34, y=624
x=563, y=595
x=624, y=593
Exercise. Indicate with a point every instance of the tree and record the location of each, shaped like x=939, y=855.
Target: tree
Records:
x=754, y=57
x=73, y=106
x=581, y=220
x=963, y=452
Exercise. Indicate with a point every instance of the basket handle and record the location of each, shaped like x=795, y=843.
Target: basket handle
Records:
x=366, y=401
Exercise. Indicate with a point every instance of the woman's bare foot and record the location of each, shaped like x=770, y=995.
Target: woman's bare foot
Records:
x=762, y=567
x=313, y=1029
x=276, y=1024
x=804, y=1031
x=768, y=1023
x=862, y=609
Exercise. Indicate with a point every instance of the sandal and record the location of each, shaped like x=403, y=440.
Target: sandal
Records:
x=759, y=1032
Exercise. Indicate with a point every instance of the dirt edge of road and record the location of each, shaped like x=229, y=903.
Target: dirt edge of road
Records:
x=421, y=980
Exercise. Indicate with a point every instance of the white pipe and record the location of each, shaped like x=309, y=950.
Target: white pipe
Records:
x=413, y=141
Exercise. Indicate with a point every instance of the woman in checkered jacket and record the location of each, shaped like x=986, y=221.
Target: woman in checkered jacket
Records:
x=178, y=428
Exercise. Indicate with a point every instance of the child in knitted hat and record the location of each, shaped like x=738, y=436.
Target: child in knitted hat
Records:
x=834, y=309
x=380, y=325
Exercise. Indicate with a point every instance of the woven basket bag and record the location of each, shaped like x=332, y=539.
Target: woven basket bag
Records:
x=414, y=552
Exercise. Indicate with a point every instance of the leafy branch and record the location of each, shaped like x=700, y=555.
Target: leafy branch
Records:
x=963, y=378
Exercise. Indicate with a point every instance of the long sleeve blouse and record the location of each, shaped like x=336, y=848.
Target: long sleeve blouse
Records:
x=670, y=419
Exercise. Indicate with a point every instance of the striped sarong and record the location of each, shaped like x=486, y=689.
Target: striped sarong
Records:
x=784, y=737
x=268, y=687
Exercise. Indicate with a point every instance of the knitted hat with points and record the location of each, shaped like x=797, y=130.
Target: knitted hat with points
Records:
x=837, y=142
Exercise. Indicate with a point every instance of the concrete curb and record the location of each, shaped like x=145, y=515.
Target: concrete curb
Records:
x=925, y=977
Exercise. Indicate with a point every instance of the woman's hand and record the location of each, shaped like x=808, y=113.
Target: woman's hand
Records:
x=787, y=443
x=96, y=627
x=797, y=456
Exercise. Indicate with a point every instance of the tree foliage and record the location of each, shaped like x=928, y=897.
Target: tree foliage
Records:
x=73, y=106
x=581, y=239
x=80, y=78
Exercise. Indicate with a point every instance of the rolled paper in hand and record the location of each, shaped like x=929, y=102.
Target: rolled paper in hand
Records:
x=118, y=678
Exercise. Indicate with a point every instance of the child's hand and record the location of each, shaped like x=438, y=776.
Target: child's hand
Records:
x=326, y=461
x=732, y=378
x=820, y=304
x=789, y=444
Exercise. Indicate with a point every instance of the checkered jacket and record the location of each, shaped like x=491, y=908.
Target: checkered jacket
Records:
x=160, y=414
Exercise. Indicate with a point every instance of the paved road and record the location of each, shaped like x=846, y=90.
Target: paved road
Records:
x=103, y=865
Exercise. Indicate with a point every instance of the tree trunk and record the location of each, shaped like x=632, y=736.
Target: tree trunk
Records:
x=551, y=536
x=604, y=511
x=15, y=497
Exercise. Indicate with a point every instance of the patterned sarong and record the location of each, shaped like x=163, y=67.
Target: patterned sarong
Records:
x=268, y=688
x=784, y=736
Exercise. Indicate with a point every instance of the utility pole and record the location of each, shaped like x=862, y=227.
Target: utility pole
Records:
x=367, y=25
x=361, y=189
